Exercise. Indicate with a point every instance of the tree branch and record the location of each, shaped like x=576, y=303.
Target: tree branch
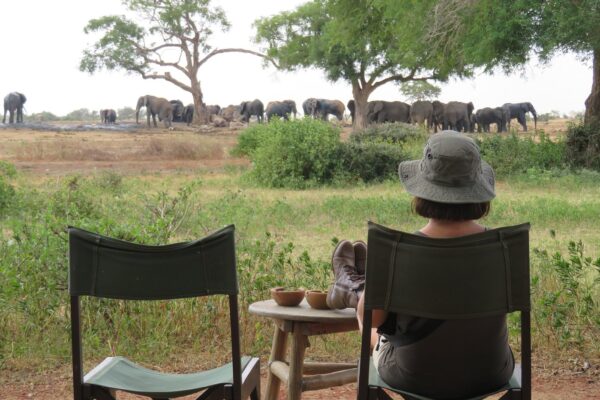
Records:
x=167, y=77
x=402, y=78
x=220, y=51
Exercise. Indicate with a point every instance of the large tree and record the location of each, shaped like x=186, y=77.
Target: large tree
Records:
x=172, y=38
x=507, y=34
x=367, y=43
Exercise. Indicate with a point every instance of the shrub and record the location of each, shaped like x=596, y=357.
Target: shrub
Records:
x=583, y=145
x=388, y=132
x=371, y=161
x=249, y=139
x=7, y=192
x=512, y=154
x=294, y=154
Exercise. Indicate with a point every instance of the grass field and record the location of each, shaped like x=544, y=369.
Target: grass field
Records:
x=161, y=186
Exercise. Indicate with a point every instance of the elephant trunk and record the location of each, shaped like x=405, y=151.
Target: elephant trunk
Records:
x=532, y=110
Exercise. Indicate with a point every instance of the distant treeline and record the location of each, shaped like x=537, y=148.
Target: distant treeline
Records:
x=82, y=114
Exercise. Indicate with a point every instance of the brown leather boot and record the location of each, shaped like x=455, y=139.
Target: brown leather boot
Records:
x=360, y=256
x=348, y=283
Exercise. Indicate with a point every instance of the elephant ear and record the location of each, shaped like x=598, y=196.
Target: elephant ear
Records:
x=378, y=106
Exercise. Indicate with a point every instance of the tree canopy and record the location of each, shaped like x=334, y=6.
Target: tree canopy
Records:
x=366, y=43
x=170, y=42
x=507, y=34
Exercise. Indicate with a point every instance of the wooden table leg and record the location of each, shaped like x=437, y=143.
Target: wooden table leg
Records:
x=277, y=354
x=299, y=344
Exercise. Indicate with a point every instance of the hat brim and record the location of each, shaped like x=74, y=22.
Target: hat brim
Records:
x=480, y=191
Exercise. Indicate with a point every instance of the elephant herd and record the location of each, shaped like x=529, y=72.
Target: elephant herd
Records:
x=453, y=115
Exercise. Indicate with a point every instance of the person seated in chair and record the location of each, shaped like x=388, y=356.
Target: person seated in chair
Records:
x=452, y=189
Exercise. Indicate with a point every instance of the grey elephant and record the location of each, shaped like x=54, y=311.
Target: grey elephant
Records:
x=155, y=106
x=178, y=109
x=279, y=109
x=231, y=113
x=108, y=116
x=13, y=102
x=487, y=116
x=457, y=116
x=250, y=108
x=188, y=114
x=421, y=112
x=292, y=105
x=388, y=111
x=438, y=115
x=309, y=107
x=326, y=107
x=213, y=109
x=518, y=111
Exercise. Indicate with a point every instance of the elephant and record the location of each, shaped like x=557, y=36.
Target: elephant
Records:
x=324, y=107
x=518, y=111
x=281, y=109
x=14, y=102
x=438, y=115
x=155, y=106
x=250, y=108
x=388, y=111
x=309, y=107
x=214, y=109
x=188, y=114
x=351, y=107
x=292, y=105
x=421, y=111
x=108, y=116
x=487, y=115
x=457, y=116
x=231, y=113
x=178, y=109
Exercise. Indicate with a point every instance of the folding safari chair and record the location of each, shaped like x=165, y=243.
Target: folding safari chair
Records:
x=109, y=268
x=472, y=276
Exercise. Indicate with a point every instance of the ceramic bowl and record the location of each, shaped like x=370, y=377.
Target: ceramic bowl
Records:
x=287, y=297
x=317, y=299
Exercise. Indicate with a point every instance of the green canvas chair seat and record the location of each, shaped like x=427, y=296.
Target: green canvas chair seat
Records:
x=468, y=277
x=376, y=381
x=105, y=267
x=119, y=373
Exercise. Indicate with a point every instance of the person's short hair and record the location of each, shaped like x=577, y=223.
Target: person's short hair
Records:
x=449, y=211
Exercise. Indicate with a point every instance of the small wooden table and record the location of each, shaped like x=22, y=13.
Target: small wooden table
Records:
x=301, y=322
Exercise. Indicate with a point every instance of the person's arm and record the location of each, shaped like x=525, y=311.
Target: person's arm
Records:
x=378, y=318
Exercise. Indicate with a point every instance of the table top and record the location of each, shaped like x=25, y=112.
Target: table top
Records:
x=302, y=312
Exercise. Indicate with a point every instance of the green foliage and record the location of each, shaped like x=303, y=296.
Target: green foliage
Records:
x=583, y=145
x=565, y=294
x=387, y=132
x=420, y=90
x=7, y=192
x=513, y=154
x=126, y=113
x=250, y=139
x=297, y=153
x=83, y=114
x=43, y=117
x=371, y=161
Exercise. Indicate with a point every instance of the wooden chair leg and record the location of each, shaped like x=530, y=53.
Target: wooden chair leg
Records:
x=277, y=354
x=299, y=344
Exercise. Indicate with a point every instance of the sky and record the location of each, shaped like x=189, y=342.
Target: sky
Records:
x=42, y=43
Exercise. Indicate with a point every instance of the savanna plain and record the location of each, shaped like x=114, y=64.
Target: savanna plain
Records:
x=159, y=186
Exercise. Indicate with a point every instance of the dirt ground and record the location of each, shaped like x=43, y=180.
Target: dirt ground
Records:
x=42, y=151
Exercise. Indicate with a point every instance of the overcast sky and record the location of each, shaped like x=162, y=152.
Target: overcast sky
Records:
x=42, y=42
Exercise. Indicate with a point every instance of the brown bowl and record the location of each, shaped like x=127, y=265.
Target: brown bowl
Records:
x=287, y=297
x=317, y=299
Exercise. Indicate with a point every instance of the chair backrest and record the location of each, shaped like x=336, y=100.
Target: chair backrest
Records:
x=104, y=267
x=465, y=277
x=100, y=266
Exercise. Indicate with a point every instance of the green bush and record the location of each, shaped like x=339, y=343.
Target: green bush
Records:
x=583, y=145
x=7, y=192
x=388, y=132
x=512, y=154
x=370, y=161
x=295, y=154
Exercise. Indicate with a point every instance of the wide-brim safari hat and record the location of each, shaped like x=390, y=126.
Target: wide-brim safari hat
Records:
x=451, y=171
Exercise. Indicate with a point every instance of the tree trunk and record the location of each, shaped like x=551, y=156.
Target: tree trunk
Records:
x=592, y=103
x=200, y=112
x=361, y=99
